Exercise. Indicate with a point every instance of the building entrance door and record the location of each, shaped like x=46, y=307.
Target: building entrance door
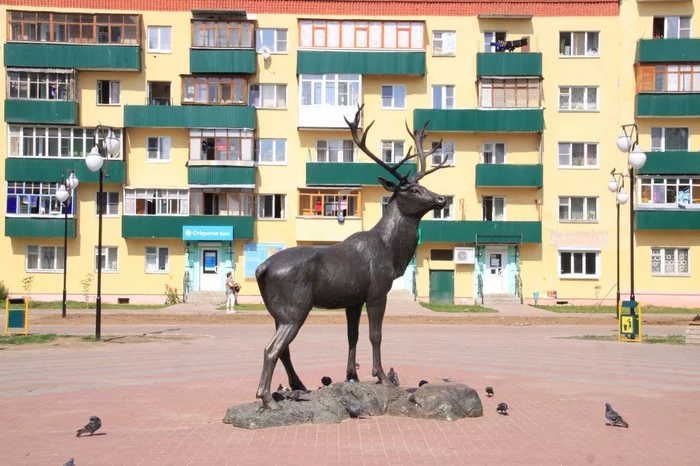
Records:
x=209, y=270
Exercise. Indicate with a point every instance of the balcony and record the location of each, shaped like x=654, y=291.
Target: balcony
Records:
x=78, y=56
x=49, y=169
x=393, y=63
x=326, y=228
x=668, y=50
x=349, y=173
x=508, y=64
x=681, y=219
x=675, y=104
x=203, y=173
x=162, y=226
x=490, y=175
x=325, y=117
x=189, y=116
x=42, y=112
x=231, y=61
x=480, y=232
x=476, y=120
x=38, y=227
x=671, y=163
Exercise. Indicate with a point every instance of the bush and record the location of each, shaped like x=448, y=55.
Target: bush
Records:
x=171, y=296
x=4, y=292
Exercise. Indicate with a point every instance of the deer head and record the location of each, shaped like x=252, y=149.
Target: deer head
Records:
x=412, y=199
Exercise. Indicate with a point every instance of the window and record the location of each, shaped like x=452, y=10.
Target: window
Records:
x=108, y=92
x=218, y=91
x=271, y=206
x=385, y=203
x=335, y=150
x=33, y=26
x=232, y=202
x=446, y=153
x=668, y=78
x=510, y=93
x=442, y=255
x=222, y=34
x=109, y=259
x=255, y=254
x=28, y=141
x=578, y=209
x=34, y=199
x=446, y=213
x=158, y=148
x=110, y=203
x=271, y=151
x=44, y=259
x=274, y=39
x=392, y=151
x=222, y=144
x=670, y=261
x=490, y=39
x=362, y=34
x=57, y=85
x=669, y=139
x=494, y=208
x=159, y=40
x=156, y=202
x=669, y=192
x=579, y=44
x=575, y=264
x=268, y=95
x=671, y=27
x=157, y=259
x=444, y=43
x=578, y=99
x=444, y=96
x=578, y=155
x=330, y=90
x=394, y=96
x=494, y=152
x=329, y=202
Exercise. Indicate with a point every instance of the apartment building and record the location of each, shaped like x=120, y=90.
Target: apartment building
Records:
x=233, y=143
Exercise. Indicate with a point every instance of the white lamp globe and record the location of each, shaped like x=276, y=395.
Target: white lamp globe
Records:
x=62, y=194
x=612, y=186
x=622, y=196
x=94, y=160
x=624, y=142
x=72, y=182
x=112, y=144
x=637, y=158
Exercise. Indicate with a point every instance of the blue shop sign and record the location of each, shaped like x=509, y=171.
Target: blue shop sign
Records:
x=207, y=233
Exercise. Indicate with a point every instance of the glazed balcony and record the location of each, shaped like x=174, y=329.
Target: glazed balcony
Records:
x=479, y=232
x=42, y=112
x=508, y=64
x=83, y=57
x=474, y=120
x=38, y=227
x=189, y=116
x=168, y=226
x=230, y=61
x=380, y=62
x=677, y=104
x=47, y=169
x=221, y=173
x=668, y=50
x=671, y=163
x=349, y=173
x=674, y=220
x=490, y=175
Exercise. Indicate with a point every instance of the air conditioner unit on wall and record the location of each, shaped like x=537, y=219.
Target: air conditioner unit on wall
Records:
x=464, y=255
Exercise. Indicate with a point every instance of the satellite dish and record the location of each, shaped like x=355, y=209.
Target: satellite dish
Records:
x=265, y=52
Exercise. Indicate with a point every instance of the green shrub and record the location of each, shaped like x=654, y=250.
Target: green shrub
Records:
x=4, y=292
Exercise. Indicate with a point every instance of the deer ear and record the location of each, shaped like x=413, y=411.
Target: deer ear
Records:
x=388, y=185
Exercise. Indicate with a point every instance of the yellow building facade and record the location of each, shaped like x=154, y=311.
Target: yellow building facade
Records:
x=233, y=144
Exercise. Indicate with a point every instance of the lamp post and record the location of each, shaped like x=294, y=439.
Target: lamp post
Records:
x=617, y=185
x=64, y=192
x=95, y=162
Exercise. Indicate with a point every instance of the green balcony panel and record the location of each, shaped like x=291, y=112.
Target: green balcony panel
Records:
x=28, y=227
x=42, y=112
x=221, y=175
x=189, y=116
x=50, y=170
x=475, y=120
x=509, y=64
x=161, y=226
x=671, y=163
x=368, y=63
x=78, y=56
x=478, y=232
x=232, y=61
x=668, y=105
x=508, y=176
x=681, y=219
x=668, y=50
x=350, y=173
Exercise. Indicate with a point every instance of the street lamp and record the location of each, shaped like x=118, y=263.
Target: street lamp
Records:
x=110, y=146
x=64, y=192
x=617, y=185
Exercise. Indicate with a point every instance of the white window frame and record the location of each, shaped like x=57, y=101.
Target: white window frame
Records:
x=108, y=266
x=566, y=149
x=163, y=150
x=155, y=253
x=395, y=148
x=659, y=143
x=448, y=147
x=565, y=201
x=276, y=143
x=491, y=90
x=393, y=104
x=491, y=36
x=113, y=92
x=683, y=33
x=447, y=212
x=583, y=275
x=42, y=138
x=276, y=198
x=279, y=99
x=490, y=148
x=447, y=102
x=309, y=83
x=587, y=40
x=157, y=196
x=362, y=35
x=336, y=151
x=493, y=208
x=279, y=45
x=39, y=195
x=684, y=191
x=161, y=47
x=243, y=152
x=661, y=254
x=447, y=41
x=112, y=209
x=57, y=258
x=585, y=106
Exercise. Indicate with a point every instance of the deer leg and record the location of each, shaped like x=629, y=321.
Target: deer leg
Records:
x=352, y=315
x=286, y=332
x=375, y=313
x=295, y=382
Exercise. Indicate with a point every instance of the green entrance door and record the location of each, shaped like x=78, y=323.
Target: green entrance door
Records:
x=442, y=286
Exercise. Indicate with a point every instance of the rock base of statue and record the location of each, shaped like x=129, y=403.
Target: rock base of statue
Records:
x=328, y=405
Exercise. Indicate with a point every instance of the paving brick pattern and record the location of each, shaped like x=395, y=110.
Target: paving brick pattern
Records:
x=162, y=403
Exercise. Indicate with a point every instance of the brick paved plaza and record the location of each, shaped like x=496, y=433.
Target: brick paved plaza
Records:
x=163, y=402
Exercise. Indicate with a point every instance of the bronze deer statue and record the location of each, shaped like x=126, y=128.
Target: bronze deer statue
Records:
x=359, y=270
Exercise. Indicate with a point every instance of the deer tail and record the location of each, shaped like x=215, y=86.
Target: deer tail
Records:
x=261, y=271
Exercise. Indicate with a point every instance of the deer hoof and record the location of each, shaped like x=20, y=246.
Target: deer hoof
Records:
x=271, y=404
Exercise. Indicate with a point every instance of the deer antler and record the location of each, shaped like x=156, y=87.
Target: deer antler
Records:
x=418, y=138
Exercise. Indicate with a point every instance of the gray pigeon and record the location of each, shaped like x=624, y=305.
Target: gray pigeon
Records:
x=614, y=418
x=489, y=391
x=422, y=382
x=354, y=409
x=393, y=376
x=91, y=427
x=70, y=462
x=502, y=408
x=326, y=381
x=696, y=318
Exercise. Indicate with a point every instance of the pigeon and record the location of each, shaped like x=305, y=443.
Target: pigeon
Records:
x=91, y=427
x=280, y=388
x=502, y=408
x=393, y=377
x=422, y=382
x=354, y=409
x=277, y=396
x=696, y=318
x=489, y=391
x=326, y=381
x=614, y=418
x=70, y=462
x=296, y=395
